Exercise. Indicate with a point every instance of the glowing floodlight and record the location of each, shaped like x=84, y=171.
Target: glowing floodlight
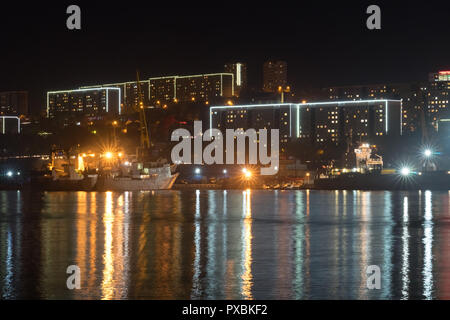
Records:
x=247, y=173
x=405, y=171
x=427, y=153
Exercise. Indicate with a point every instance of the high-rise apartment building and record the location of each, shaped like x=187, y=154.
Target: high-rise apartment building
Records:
x=362, y=92
x=81, y=103
x=14, y=103
x=129, y=97
x=422, y=102
x=239, y=70
x=163, y=90
x=192, y=88
x=203, y=87
x=411, y=94
x=331, y=122
x=438, y=106
x=274, y=76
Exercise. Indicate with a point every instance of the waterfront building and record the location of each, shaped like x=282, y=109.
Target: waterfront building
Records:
x=81, y=103
x=422, y=102
x=437, y=106
x=319, y=123
x=412, y=95
x=14, y=103
x=274, y=76
x=239, y=71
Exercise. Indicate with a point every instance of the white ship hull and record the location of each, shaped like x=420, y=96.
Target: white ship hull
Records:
x=158, y=179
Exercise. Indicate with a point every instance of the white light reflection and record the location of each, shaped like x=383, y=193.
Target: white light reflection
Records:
x=363, y=201
x=247, y=278
x=196, y=275
x=211, y=259
x=387, y=246
x=428, y=248
x=299, y=247
x=120, y=253
x=7, y=287
x=405, y=251
x=344, y=203
x=224, y=226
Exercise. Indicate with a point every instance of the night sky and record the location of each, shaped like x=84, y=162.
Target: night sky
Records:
x=324, y=44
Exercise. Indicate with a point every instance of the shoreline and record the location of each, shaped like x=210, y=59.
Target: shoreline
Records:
x=210, y=187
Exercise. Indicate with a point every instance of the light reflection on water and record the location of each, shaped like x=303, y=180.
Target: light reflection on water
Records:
x=225, y=244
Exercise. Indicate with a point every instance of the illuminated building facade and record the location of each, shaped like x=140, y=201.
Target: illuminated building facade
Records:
x=260, y=116
x=317, y=122
x=413, y=96
x=163, y=90
x=274, y=75
x=81, y=103
x=9, y=124
x=363, y=92
x=444, y=126
x=239, y=70
x=191, y=88
x=438, y=97
x=14, y=103
x=129, y=101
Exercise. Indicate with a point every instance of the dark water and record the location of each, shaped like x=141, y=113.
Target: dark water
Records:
x=225, y=244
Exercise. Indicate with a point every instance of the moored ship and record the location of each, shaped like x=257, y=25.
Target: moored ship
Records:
x=67, y=179
x=151, y=179
x=141, y=174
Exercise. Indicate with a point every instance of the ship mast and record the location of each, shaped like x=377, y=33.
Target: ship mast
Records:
x=143, y=149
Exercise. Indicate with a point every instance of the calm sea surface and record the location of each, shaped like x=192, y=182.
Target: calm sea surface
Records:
x=225, y=244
